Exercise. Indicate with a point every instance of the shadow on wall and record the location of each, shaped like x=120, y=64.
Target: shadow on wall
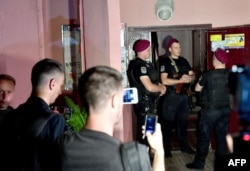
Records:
x=165, y=42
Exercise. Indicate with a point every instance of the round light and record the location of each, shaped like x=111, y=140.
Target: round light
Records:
x=164, y=12
x=164, y=9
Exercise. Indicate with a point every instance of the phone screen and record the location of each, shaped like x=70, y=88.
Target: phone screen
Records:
x=150, y=123
x=130, y=96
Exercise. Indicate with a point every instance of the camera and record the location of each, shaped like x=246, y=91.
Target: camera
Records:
x=150, y=123
x=239, y=86
x=65, y=111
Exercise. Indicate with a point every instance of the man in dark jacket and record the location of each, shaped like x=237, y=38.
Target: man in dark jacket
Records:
x=32, y=128
x=215, y=112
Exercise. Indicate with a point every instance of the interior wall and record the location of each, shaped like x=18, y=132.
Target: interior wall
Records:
x=30, y=31
x=54, y=16
x=102, y=45
x=19, y=43
x=186, y=12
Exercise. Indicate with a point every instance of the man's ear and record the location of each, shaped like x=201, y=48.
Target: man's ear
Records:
x=114, y=100
x=52, y=83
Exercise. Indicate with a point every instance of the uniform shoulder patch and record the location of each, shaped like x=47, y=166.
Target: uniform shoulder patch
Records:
x=143, y=70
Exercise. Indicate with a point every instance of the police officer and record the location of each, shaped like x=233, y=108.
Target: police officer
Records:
x=143, y=76
x=176, y=74
x=215, y=111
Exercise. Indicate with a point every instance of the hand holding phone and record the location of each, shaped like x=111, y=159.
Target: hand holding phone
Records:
x=155, y=140
x=150, y=123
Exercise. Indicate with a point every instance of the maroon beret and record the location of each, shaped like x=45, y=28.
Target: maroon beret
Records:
x=141, y=45
x=221, y=55
x=173, y=40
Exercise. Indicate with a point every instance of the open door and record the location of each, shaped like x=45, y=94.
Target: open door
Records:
x=236, y=42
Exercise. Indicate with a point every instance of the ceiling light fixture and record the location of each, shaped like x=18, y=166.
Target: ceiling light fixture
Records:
x=164, y=9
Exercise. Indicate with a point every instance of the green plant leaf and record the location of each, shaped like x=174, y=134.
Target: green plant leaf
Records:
x=78, y=118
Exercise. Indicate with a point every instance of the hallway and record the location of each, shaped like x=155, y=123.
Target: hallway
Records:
x=179, y=160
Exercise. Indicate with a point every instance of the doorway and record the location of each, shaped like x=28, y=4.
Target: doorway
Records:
x=193, y=39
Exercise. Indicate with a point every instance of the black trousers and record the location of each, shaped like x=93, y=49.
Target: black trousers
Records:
x=175, y=111
x=145, y=106
x=139, y=134
x=212, y=120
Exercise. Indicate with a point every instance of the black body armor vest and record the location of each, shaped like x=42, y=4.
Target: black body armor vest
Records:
x=153, y=75
x=216, y=93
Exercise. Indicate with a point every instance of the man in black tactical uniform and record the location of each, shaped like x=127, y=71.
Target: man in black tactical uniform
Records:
x=215, y=111
x=143, y=76
x=176, y=74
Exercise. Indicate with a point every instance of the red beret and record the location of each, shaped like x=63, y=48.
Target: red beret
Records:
x=141, y=45
x=221, y=55
x=173, y=40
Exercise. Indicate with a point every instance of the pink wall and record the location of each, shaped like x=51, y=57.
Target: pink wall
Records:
x=102, y=33
x=186, y=12
x=101, y=26
x=55, y=14
x=29, y=31
x=19, y=43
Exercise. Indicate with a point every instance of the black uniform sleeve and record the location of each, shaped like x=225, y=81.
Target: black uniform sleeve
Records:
x=164, y=65
x=184, y=65
x=141, y=70
x=203, y=79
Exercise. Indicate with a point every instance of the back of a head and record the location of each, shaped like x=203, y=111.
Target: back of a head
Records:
x=97, y=84
x=221, y=56
x=44, y=69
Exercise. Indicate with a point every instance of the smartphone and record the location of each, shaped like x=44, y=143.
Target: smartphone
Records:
x=150, y=123
x=130, y=95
